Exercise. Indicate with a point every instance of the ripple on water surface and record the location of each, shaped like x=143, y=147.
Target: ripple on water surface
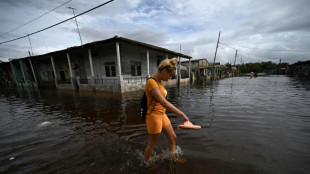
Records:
x=249, y=125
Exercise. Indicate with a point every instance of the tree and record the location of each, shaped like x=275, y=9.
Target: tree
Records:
x=228, y=65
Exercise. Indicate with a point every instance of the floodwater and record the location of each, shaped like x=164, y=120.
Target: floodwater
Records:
x=249, y=125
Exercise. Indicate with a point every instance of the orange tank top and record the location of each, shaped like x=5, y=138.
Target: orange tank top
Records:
x=151, y=84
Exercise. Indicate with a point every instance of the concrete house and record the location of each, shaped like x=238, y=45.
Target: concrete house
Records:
x=199, y=68
x=117, y=64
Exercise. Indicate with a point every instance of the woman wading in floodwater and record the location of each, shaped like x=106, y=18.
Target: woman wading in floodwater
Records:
x=157, y=121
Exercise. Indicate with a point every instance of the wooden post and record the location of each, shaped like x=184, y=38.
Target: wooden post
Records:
x=21, y=66
x=189, y=69
x=34, y=75
x=55, y=74
x=70, y=70
x=118, y=59
x=148, y=63
x=91, y=69
x=179, y=70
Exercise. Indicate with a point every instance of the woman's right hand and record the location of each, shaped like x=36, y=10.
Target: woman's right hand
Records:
x=184, y=118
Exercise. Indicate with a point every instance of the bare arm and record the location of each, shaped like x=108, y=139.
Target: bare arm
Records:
x=162, y=100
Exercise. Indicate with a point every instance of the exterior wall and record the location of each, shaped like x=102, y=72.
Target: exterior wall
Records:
x=62, y=68
x=45, y=72
x=81, y=65
x=100, y=55
x=26, y=73
x=203, y=63
x=133, y=53
x=17, y=73
x=199, y=69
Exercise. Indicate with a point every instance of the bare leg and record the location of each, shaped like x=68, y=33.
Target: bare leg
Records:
x=153, y=139
x=169, y=132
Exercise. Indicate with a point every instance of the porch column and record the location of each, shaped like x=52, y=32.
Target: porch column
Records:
x=167, y=57
x=118, y=58
x=55, y=74
x=70, y=70
x=179, y=70
x=148, y=63
x=34, y=76
x=21, y=66
x=14, y=73
x=91, y=69
x=189, y=69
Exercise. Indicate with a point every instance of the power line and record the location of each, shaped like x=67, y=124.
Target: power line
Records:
x=42, y=9
x=34, y=19
x=223, y=44
x=57, y=23
x=262, y=48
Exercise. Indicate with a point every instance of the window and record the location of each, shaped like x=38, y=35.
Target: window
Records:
x=159, y=59
x=94, y=54
x=135, y=68
x=110, y=69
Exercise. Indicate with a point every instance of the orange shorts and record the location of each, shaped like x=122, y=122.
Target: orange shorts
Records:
x=156, y=122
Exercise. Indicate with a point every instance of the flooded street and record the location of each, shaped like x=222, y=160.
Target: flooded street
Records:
x=249, y=125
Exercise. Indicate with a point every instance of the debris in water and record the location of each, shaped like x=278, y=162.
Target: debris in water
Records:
x=45, y=123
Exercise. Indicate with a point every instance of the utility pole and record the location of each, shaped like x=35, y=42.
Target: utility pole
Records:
x=234, y=68
x=30, y=43
x=217, y=45
x=77, y=26
x=235, y=57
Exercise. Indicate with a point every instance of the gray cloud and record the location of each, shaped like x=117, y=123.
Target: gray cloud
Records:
x=264, y=25
x=143, y=35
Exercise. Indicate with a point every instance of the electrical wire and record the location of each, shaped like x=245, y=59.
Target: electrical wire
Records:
x=42, y=9
x=263, y=48
x=34, y=19
x=227, y=46
x=57, y=23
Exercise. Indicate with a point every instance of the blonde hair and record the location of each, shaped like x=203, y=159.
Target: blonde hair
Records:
x=168, y=64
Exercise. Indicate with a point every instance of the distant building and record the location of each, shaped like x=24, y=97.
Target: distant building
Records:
x=198, y=67
x=117, y=64
x=214, y=69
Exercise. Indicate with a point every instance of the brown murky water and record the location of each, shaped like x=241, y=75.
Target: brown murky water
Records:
x=258, y=125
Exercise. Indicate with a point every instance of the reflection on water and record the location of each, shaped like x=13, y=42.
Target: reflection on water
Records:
x=258, y=125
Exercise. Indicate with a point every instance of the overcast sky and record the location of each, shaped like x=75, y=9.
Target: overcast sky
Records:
x=261, y=30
